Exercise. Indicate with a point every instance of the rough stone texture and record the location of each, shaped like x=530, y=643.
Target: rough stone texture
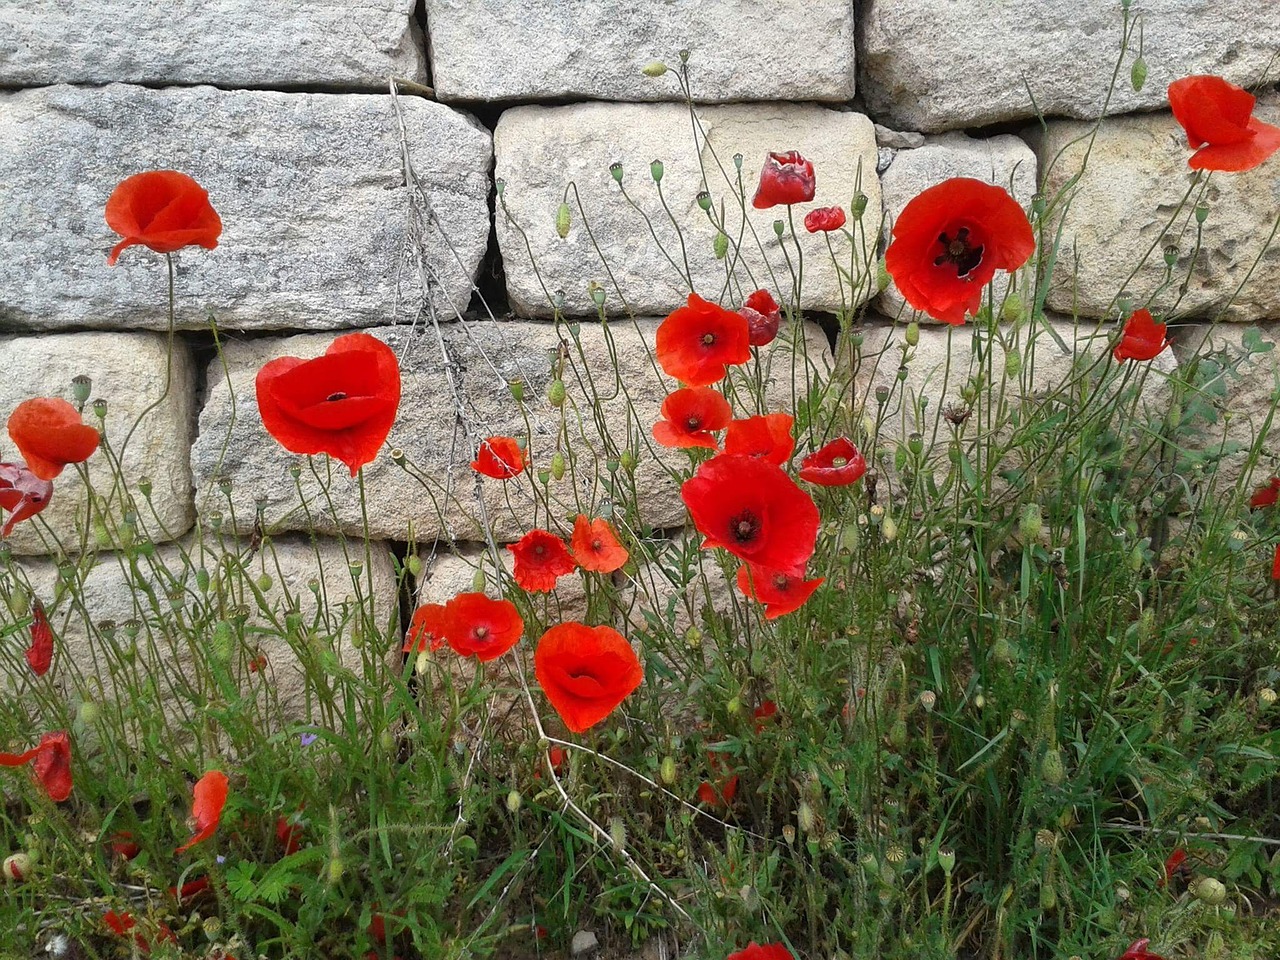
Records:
x=487, y=356
x=660, y=592
x=1123, y=206
x=940, y=65
x=308, y=186
x=541, y=149
x=540, y=49
x=128, y=372
x=230, y=43
x=1003, y=160
x=114, y=590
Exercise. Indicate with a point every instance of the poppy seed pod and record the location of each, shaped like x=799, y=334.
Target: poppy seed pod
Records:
x=615, y=171
x=655, y=170
x=1210, y=891
x=81, y=387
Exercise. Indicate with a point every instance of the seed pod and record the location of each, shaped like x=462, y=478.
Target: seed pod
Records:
x=655, y=170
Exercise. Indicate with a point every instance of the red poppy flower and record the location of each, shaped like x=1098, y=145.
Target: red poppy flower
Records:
x=210, y=796
x=557, y=757
x=476, y=624
x=836, y=464
x=781, y=594
x=189, y=890
x=786, y=178
x=1141, y=339
x=288, y=835
x=755, y=951
x=1275, y=564
x=767, y=437
x=753, y=510
x=696, y=343
x=689, y=416
x=595, y=545
x=1217, y=116
x=824, y=219
x=22, y=494
x=121, y=923
x=124, y=846
x=52, y=767
x=342, y=403
x=541, y=559
x=950, y=240
x=725, y=786
x=764, y=714
x=163, y=210
x=40, y=653
x=763, y=318
x=426, y=629
x=500, y=458
x=1172, y=866
x=1266, y=495
x=49, y=434
x=585, y=672
x=1138, y=951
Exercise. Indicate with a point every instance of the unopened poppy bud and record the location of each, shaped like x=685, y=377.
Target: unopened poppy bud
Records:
x=618, y=832
x=1202, y=211
x=557, y=466
x=17, y=867
x=898, y=734
x=627, y=460
x=1266, y=697
x=734, y=706
x=720, y=245
x=100, y=409
x=859, y=205
x=1048, y=896
x=655, y=170
x=517, y=390
x=336, y=869
x=654, y=68
x=615, y=170
x=883, y=279
x=555, y=392
x=806, y=818
x=1052, y=768
x=979, y=701
x=1170, y=255
x=946, y=859
x=889, y=527
x=514, y=801
x=1013, y=309
x=1138, y=74
x=264, y=582
x=912, y=334
x=386, y=740
x=88, y=713
x=478, y=581
x=422, y=663
x=563, y=219
x=667, y=770
x=81, y=387
x=414, y=564
x=1206, y=890
x=778, y=228
x=19, y=602
x=202, y=580
x=1030, y=522
x=693, y=637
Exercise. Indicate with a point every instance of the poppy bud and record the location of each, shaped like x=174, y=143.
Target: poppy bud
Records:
x=805, y=817
x=422, y=663
x=19, y=602
x=704, y=200
x=477, y=581
x=17, y=867
x=627, y=460
x=336, y=869
x=557, y=465
x=618, y=832
x=912, y=334
x=778, y=228
x=1013, y=309
x=563, y=215
x=1207, y=890
x=1052, y=768
x=889, y=527
x=667, y=770
x=693, y=637
x=514, y=801
x=898, y=734
x=555, y=392
x=859, y=205
x=1138, y=74
x=882, y=276
x=615, y=169
x=81, y=387
x=88, y=713
x=1048, y=896
x=720, y=245
x=654, y=68
x=1202, y=212
x=414, y=565
x=1012, y=364
x=734, y=706
x=1030, y=522
x=655, y=170
x=220, y=645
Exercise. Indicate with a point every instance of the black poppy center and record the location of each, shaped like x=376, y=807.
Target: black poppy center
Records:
x=693, y=423
x=597, y=545
x=745, y=527
x=335, y=396
x=960, y=252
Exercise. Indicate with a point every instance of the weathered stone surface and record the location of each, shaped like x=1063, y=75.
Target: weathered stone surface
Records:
x=539, y=150
x=677, y=588
x=450, y=501
x=1005, y=161
x=1125, y=208
x=309, y=188
x=538, y=49
x=128, y=371
x=940, y=65
x=265, y=664
x=230, y=43
x=451, y=571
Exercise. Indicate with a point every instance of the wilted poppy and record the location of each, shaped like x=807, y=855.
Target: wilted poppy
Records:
x=779, y=592
x=1266, y=495
x=824, y=219
x=1141, y=339
x=163, y=210
x=767, y=437
x=52, y=766
x=22, y=494
x=500, y=458
x=723, y=787
x=689, y=416
x=1138, y=951
x=342, y=403
x=756, y=951
x=49, y=434
x=585, y=672
x=753, y=510
x=426, y=629
x=209, y=797
x=1218, y=118
x=595, y=545
x=541, y=559
x=836, y=464
x=478, y=625
x=40, y=653
x=785, y=178
x=950, y=240
x=697, y=342
x=763, y=318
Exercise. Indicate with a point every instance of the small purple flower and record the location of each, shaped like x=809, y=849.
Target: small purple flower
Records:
x=307, y=739
x=221, y=859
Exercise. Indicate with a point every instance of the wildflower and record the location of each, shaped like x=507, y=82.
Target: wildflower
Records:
x=585, y=672
x=288, y=835
x=1275, y=564
x=723, y=787
x=426, y=629
x=22, y=494
x=754, y=951
x=1172, y=866
x=767, y=437
x=40, y=653
x=162, y=210
x=1141, y=339
x=500, y=458
x=689, y=416
x=836, y=464
x=753, y=510
x=763, y=318
x=697, y=342
x=17, y=867
x=764, y=714
x=1266, y=495
x=49, y=434
x=210, y=796
x=950, y=240
x=189, y=890
x=123, y=845
x=786, y=178
x=477, y=625
x=52, y=766
x=541, y=559
x=307, y=739
x=595, y=545
x=1138, y=951
x=780, y=593
x=342, y=403
x=824, y=219
x=1218, y=118
x=557, y=757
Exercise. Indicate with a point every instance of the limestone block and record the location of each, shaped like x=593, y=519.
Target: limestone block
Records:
x=939, y=65
x=436, y=494
x=1005, y=161
x=230, y=43
x=539, y=150
x=309, y=188
x=128, y=371
x=1122, y=210
x=542, y=49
